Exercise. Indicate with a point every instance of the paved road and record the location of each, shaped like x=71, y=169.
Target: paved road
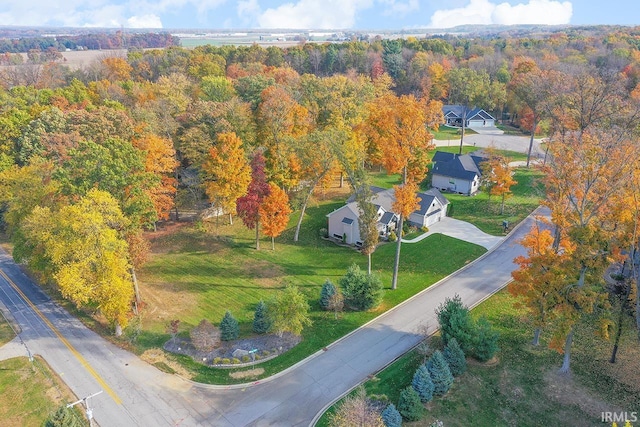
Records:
x=503, y=142
x=139, y=395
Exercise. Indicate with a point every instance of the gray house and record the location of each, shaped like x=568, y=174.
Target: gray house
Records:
x=476, y=117
x=343, y=222
x=457, y=173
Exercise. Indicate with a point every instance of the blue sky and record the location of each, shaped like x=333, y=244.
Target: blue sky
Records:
x=312, y=14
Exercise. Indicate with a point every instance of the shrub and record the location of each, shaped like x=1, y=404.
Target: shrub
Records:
x=357, y=410
x=455, y=322
x=422, y=384
x=217, y=360
x=266, y=352
x=257, y=357
x=440, y=373
x=393, y=236
x=409, y=405
x=454, y=356
x=246, y=358
x=485, y=340
x=361, y=291
x=289, y=311
x=328, y=290
x=64, y=417
x=235, y=361
x=261, y=323
x=229, y=327
x=324, y=232
x=205, y=336
x=226, y=361
x=391, y=417
x=424, y=229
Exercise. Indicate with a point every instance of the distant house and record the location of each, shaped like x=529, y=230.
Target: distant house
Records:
x=457, y=173
x=343, y=222
x=476, y=117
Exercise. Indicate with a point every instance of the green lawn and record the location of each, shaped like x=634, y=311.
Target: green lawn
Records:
x=445, y=132
x=202, y=276
x=523, y=388
x=30, y=392
x=484, y=212
x=6, y=333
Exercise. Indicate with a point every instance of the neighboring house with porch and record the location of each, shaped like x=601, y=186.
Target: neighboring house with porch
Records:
x=342, y=224
x=476, y=117
x=457, y=173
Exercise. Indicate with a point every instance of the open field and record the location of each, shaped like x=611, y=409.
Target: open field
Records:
x=524, y=388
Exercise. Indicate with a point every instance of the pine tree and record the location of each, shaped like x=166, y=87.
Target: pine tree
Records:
x=409, y=405
x=328, y=290
x=455, y=322
x=423, y=384
x=229, y=328
x=486, y=340
x=261, y=322
x=64, y=417
x=361, y=291
x=454, y=356
x=391, y=417
x=440, y=373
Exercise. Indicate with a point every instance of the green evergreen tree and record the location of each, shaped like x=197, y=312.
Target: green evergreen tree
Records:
x=440, y=373
x=455, y=358
x=328, y=290
x=409, y=405
x=485, y=340
x=455, y=322
x=361, y=291
x=64, y=417
x=391, y=417
x=261, y=323
x=422, y=384
x=229, y=327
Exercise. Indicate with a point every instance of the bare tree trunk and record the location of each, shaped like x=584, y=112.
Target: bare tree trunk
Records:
x=536, y=337
x=296, y=235
x=273, y=243
x=566, y=361
x=118, y=330
x=136, y=289
x=257, y=235
x=464, y=120
x=230, y=219
x=341, y=179
x=394, y=280
x=533, y=131
x=369, y=264
x=502, y=205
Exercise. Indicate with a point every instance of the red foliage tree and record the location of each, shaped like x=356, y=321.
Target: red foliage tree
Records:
x=248, y=206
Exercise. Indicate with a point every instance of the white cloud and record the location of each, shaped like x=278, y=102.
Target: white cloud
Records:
x=248, y=8
x=548, y=12
x=144, y=21
x=328, y=14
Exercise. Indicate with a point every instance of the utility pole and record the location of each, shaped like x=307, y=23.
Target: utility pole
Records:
x=88, y=409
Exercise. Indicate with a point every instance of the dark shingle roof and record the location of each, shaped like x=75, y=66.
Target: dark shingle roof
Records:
x=458, y=111
x=464, y=166
x=387, y=217
x=374, y=190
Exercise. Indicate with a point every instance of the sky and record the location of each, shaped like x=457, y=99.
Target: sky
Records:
x=312, y=14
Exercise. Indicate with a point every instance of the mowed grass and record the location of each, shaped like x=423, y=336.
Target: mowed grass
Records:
x=6, y=333
x=446, y=132
x=484, y=212
x=200, y=276
x=30, y=392
x=523, y=388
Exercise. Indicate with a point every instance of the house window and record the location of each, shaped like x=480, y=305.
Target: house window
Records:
x=337, y=236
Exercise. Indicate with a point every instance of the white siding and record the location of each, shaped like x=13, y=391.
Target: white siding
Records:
x=446, y=183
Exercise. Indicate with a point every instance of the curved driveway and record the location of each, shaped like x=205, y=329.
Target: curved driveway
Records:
x=138, y=394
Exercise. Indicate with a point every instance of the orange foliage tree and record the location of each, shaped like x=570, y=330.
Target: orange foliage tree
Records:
x=274, y=213
x=498, y=176
x=227, y=173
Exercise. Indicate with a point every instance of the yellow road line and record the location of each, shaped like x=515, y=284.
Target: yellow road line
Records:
x=55, y=330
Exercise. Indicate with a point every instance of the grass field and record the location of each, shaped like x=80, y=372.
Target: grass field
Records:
x=30, y=392
x=196, y=274
x=446, y=132
x=523, y=388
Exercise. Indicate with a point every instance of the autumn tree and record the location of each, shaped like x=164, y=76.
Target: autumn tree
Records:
x=227, y=173
x=205, y=337
x=367, y=222
x=274, y=213
x=406, y=202
x=248, y=206
x=81, y=248
x=356, y=410
x=497, y=176
x=397, y=128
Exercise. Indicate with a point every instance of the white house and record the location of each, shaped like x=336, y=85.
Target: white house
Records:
x=476, y=117
x=456, y=173
x=343, y=222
